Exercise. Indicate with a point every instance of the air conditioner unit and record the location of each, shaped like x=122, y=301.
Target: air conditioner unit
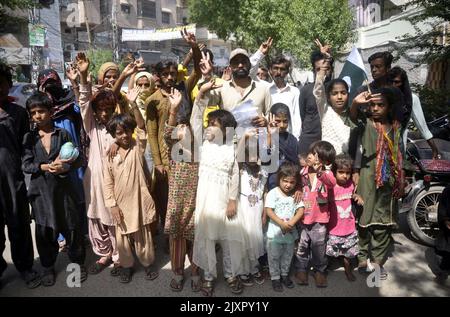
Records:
x=69, y=47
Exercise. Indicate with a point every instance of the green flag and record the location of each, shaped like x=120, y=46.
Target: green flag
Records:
x=354, y=72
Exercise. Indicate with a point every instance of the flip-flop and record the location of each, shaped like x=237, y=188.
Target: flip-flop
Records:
x=97, y=267
x=48, y=277
x=31, y=278
x=126, y=275
x=177, y=283
x=115, y=271
x=150, y=275
x=196, y=283
x=83, y=273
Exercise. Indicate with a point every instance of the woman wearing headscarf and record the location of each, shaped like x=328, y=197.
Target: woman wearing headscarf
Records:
x=145, y=81
x=107, y=78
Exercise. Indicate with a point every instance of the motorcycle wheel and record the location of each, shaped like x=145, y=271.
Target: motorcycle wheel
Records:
x=425, y=206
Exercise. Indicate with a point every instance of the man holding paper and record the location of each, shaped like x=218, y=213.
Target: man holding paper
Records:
x=241, y=89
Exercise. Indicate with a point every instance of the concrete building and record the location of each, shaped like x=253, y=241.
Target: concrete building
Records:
x=107, y=20
x=381, y=25
x=15, y=45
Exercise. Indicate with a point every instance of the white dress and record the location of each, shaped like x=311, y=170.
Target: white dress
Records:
x=218, y=182
x=250, y=209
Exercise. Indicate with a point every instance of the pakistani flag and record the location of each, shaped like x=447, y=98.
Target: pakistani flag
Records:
x=353, y=72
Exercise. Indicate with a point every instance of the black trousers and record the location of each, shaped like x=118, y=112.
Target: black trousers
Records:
x=15, y=214
x=48, y=247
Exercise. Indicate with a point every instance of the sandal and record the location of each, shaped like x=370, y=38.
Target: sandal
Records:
x=383, y=273
x=207, y=288
x=246, y=279
x=150, y=275
x=177, y=283
x=98, y=266
x=125, y=275
x=196, y=284
x=362, y=267
x=115, y=271
x=259, y=278
x=235, y=285
x=83, y=273
x=31, y=278
x=48, y=277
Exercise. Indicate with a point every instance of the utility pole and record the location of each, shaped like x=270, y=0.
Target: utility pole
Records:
x=88, y=30
x=36, y=51
x=115, y=31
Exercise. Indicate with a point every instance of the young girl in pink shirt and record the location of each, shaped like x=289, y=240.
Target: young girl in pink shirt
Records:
x=342, y=236
x=317, y=182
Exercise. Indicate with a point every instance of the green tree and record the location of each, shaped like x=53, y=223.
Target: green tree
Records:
x=428, y=26
x=97, y=58
x=10, y=23
x=292, y=24
x=19, y=4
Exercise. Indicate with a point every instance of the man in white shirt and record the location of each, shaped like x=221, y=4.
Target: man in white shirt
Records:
x=280, y=90
x=283, y=92
x=240, y=89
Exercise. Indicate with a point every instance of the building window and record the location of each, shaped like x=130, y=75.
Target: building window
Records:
x=126, y=8
x=166, y=17
x=146, y=9
x=160, y=45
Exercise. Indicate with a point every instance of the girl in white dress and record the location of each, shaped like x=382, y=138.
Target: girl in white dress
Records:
x=215, y=212
x=253, y=180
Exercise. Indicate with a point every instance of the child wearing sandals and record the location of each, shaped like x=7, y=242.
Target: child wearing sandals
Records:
x=183, y=178
x=253, y=188
x=284, y=214
x=215, y=207
x=127, y=194
x=343, y=237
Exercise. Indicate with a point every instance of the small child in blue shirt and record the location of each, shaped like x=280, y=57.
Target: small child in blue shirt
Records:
x=284, y=213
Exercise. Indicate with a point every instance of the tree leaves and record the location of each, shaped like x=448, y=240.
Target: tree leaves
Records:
x=292, y=24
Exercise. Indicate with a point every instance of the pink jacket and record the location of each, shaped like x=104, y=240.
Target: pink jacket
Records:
x=315, y=197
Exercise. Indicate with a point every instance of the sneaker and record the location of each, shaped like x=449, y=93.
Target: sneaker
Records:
x=259, y=278
x=277, y=286
x=287, y=282
x=246, y=279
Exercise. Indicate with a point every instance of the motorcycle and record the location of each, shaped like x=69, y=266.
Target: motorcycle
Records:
x=426, y=182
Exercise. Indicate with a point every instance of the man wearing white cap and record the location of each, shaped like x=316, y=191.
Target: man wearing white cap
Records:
x=237, y=91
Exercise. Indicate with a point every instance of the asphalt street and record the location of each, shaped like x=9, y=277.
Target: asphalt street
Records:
x=410, y=270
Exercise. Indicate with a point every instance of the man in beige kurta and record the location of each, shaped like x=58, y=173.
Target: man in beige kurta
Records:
x=125, y=187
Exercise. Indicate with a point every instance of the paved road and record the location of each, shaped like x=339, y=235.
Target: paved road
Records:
x=409, y=271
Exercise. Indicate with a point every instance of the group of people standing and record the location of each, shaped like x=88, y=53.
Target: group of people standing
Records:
x=167, y=153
